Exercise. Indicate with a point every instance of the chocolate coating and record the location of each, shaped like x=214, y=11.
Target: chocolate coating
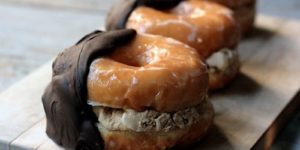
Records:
x=71, y=122
x=117, y=17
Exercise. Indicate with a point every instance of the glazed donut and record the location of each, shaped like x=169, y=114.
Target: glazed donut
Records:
x=151, y=72
x=233, y=4
x=244, y=12
x=205, y=26
x=246, y=17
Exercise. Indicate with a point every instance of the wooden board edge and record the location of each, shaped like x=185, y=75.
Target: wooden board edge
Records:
x=266, y=140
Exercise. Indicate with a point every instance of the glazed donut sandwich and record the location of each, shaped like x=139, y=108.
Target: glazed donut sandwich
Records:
x=206, y=26
x=156, y=95
x=119, y=90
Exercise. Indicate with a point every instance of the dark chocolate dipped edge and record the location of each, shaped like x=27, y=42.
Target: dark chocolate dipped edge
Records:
x=71, y=122
x=118, y=15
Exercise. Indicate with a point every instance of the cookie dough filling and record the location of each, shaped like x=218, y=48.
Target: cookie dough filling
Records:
x=223, y=60
x=150, y=120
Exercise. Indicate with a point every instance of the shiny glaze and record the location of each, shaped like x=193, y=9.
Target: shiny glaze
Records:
x=152, y=72
x=233, y=3
x=203, y=25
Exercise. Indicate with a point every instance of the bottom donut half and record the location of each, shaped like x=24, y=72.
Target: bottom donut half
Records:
x=120, y=135
x=223, y=66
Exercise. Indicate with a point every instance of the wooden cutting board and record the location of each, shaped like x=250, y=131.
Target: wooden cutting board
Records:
x=245, y=110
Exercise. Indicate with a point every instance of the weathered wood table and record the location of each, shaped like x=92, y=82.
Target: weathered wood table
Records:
x=248, y=113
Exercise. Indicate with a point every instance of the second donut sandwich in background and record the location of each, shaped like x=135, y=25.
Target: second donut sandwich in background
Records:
x=208, y=27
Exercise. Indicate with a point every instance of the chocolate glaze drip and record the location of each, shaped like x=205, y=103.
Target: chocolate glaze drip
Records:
x=71, y=122
x=117, y=17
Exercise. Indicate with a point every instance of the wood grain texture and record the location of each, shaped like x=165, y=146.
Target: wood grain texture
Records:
x=29, y=37
x=22, y=105
x=87, y=5
x=49, y=145
x=268, y=81
x=276, y=38
x=34, y=138
x=244, y=110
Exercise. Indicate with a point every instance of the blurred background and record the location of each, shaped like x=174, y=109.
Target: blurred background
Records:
x=32, y=32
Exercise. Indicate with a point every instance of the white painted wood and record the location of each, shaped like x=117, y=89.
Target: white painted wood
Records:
x=22, y=105
x=32, y=138
x=49, y=145
x=31, y=36
x=91, y=5
x=244, y=110
x=270, y=74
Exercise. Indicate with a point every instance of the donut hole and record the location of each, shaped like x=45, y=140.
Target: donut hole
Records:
x=185, y=9
x=192, y=9
x=134, y=61
x=129, y=62
x=140, y=59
